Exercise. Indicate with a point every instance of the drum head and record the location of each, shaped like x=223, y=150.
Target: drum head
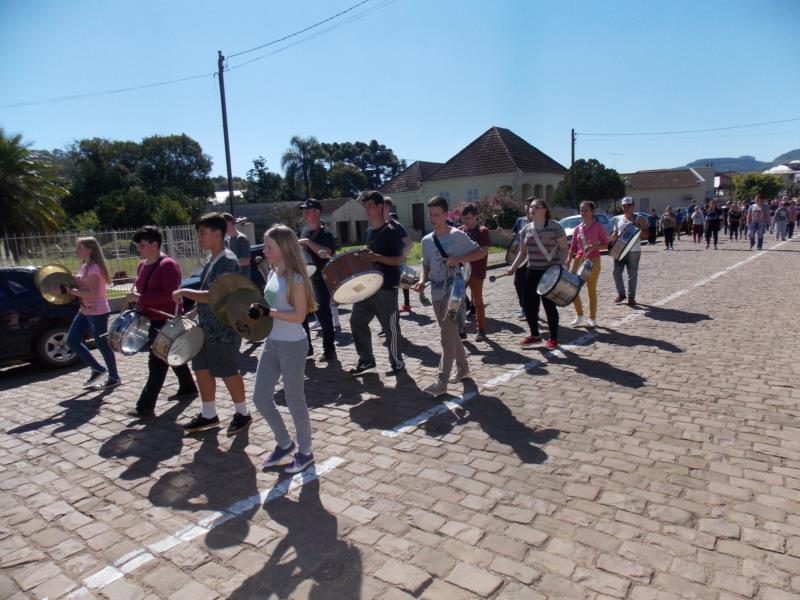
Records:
x=185, y=347
x=512, y=251
x=630, y=244
x=549, y=280
x=358, y=288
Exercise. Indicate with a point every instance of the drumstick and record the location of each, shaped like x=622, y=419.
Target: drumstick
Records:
x=162, y=313
x=493, y=278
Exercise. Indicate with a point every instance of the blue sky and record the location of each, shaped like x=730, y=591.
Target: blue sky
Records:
x=425, y=77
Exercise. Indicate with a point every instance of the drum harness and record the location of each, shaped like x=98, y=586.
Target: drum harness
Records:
x=548, y=255
x=451, y=314
x=149, y=274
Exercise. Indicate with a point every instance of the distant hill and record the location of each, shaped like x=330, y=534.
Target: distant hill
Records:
x=744, y=163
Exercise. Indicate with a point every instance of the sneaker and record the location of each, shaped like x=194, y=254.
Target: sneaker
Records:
x=239, y=423
x=521, y=315
x=141, y=414
x=181, y=395
x=405, y=308
x=329, y=356
x=461, y=376
x=394, y=372
x=481, y=337
x=462, y=334
x=591, y=323
x=437, y=388
x=531, y=340
x=93, y=377
x=631, y=302
x=361, y=366
x=300, y=463
x=278, y=456
x=108, y=384
x=619, y=299
x=577, y=321
x=200, y=423
x=551, y=344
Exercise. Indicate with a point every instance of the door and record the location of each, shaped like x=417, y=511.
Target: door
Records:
x=418, y=217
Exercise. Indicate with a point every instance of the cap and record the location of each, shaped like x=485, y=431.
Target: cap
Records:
x=241, y=220
x=627, y=200
x=370, y=195
x=311, y=203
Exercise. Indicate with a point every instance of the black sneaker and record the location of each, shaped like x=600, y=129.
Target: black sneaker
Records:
x=300, y=463
x=363, y=365
x=141, y=414
x=329, y=356
x=180, y=395
x=462, y=335
x=337, y=329
x=200, y=423
x=394, y=372
x=239, y=423
x=93, y=377
x=278, y=456
x=108, y=384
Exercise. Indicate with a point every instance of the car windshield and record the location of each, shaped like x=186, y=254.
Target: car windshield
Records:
x=570, y=221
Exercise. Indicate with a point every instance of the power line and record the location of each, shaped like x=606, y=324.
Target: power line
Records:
x=696, y=130
x=683, y=139
x=296, y=33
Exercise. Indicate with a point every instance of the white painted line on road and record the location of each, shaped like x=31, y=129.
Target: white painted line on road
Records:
x=582, y=341
x=135, y=559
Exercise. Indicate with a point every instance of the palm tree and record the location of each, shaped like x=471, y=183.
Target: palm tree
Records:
x=30, y=189
x=302, y=160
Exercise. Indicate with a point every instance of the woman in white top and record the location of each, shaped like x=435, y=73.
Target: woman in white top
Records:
x=284, y=351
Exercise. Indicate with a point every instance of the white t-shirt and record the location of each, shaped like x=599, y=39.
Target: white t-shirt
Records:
x=275, y=293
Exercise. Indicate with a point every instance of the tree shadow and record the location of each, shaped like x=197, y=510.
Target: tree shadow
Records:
x=497, y=421
x=78, y=410
x=150, y=445
x=598, y=369
x=659, y=313
x=213, y=481
x=312, y=559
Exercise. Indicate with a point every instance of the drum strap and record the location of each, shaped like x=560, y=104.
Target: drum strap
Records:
x=584, y=243
x=548, y=255
x=150, y=274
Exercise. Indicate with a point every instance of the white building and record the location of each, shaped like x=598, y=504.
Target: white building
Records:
x=669, y=187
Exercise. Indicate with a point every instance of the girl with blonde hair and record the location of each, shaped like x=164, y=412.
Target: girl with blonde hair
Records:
x=288, y=298
x=92, y=279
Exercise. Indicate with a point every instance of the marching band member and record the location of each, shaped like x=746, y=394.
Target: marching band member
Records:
x=442, y=251
x=157, y=277
x=385, y=247
x=480, y=235
x=217, y=357
x=237, y=242
x=587, y=240
x=92, y=279
x=631, y=260
x=390, y=214
x=284, y=352
x=544, y=244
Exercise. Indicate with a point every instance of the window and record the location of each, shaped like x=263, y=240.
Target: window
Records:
x=472, y=195
x=644, y=203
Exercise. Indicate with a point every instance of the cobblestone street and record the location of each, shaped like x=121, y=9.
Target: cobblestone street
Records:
x=656, y=457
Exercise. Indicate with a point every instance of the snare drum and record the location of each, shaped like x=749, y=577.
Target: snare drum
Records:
x=585, y=270
x=352, y=278
x=512, y=251
x=458, y=291
x=628, y=236
x=129, y=332
x=178, y=342
x=559, y=285
x=409, y=277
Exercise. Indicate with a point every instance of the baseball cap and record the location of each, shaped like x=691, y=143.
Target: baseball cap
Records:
x=311, y=203
x=627, y=200
x=370, y=195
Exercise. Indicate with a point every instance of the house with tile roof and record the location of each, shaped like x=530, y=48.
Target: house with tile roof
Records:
x=660, y=188
x=497, y=162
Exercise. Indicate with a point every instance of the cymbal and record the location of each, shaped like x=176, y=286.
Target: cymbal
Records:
x=236, y=306
x=222, y=287
x=50, y=278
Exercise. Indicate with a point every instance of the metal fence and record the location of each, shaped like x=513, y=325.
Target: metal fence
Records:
x=119, y=250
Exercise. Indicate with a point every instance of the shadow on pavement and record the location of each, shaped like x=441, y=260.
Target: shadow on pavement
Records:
x=311, y=560
x=15, y=376
x=496, y=326
x=214, y=480
x=617, y=338
x=599, y=370
x=78, y=410
x=659, y=313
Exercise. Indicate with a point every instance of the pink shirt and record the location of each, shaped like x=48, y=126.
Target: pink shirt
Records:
x=90, y=279
x=594, y=234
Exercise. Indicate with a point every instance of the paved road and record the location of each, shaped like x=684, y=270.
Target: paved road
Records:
x=655, y=458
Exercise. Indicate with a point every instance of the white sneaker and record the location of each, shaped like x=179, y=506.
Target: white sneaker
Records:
x=437, y=388
x=461, y=376
x=577, y=321
x=314, y=325
x=591, y=323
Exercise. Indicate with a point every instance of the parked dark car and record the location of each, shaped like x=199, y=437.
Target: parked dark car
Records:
x=31, y=327
x=193, y=280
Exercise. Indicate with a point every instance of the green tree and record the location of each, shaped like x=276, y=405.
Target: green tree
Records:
x=748, y=185
x=220, y=183
x=593, y=181
x=86, y=221
x=127, y=209
x=301, y=164
x=375, y=160
x=346, y=180
x=30, y=189
x=170, y=212
x=175, y=161
x=262, y=184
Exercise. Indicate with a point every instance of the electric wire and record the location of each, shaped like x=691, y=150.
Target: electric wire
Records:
x=692, y=130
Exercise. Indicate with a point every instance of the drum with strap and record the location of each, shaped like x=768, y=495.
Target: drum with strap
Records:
x=178, y=342
x=559, y=285
x=628, y=236
x=352, y=278
x=129, y=332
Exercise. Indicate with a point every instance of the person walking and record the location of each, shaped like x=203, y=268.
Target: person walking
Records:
x=92, y=280
x=734, y=216
x=668, y=227
x=587, y=240
x=652, y=221
x=237, y=242
x=631, y=259
x=781, y=221
x=792, y=205
x=758, y=222
x=679, y=219
x=713, y=218
x=697, y=225
x=480, y=235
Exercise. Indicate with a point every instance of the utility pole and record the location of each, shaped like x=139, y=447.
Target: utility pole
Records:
x=221, y=69
x=572, y=170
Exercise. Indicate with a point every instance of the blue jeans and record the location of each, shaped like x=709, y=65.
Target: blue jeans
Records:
x=98, y=325
x=631, y=262
x=760, y=228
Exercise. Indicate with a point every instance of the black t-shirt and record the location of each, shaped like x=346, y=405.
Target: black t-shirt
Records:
x=323, y=238
x=387, y=240
x=396, y=223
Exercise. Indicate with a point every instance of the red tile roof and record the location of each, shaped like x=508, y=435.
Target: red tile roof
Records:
x=662, y=178
x=410, y=179
x=495, y=152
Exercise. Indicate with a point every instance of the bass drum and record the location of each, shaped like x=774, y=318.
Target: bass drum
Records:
x=129, y=332
x=628, y=236
x=351, y=278
x=178, y=342
x=512, y=251
x=559, y=285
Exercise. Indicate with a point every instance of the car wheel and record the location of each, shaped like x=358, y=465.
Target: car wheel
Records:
x=52, y=349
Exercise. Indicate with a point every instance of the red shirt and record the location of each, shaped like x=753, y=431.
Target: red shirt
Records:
x=166, y=278
x=479, y=235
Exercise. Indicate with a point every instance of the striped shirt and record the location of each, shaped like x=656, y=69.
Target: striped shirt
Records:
x=549, y=236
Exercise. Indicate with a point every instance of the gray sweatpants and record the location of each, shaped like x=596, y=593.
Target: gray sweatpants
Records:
x=452, y=348
x=287, y=359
